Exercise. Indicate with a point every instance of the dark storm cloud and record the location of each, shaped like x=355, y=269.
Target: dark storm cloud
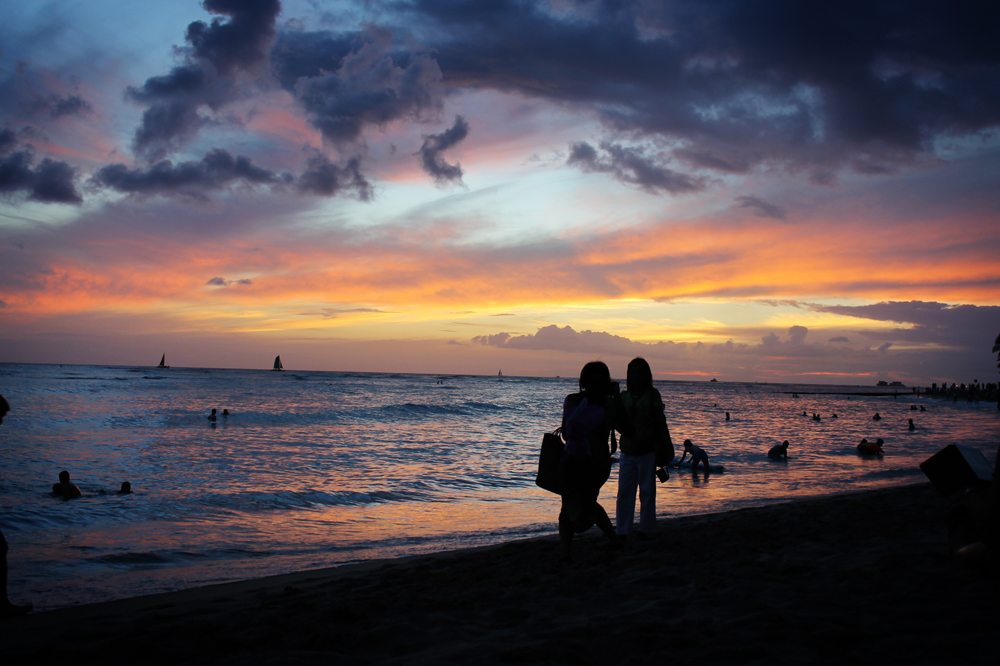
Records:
x=223, y=282
x=327, y=179
x=797, y=334
x=306, y=55
x=352, y=81
x=215, y=55
x=566, y=339
x=333, y=313
x=49, y=182
x=762, y=208
x=71, y=105
x=33, y=95
x=630, y=165
x=165, y=127
x=54, y=106
x=435, y=144
x=921, y=313
x=216, y=171
x=927, y=322
x=8, y=139
x=238, y=43
x=740, y=82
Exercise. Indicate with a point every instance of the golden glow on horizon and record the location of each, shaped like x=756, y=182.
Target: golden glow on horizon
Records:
x=424, y=290
x=679, y=262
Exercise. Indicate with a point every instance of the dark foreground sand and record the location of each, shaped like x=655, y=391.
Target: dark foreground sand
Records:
x=860, y=578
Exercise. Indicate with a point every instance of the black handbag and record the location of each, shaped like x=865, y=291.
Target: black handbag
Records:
x=548, y=477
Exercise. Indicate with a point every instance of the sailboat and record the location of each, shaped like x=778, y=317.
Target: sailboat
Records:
x=277, y=363
x=163, y=362
x=500, y=373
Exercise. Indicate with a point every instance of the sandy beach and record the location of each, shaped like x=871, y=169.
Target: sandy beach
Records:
x=862, y=578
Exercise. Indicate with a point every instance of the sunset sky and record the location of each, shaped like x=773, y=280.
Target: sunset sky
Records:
x=747, y=190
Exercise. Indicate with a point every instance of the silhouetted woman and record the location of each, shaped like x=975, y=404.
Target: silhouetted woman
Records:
x=637, y=466
x=588, y=419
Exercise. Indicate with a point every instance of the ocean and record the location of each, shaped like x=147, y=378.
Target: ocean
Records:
x=317, y=469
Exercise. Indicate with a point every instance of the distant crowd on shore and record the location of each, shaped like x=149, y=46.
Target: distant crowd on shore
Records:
x=970, y=393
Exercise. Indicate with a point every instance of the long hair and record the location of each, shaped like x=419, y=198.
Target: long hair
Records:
x=640, y=377
x=595, y=379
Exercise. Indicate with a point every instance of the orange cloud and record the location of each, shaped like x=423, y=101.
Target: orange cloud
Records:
x=415, y=269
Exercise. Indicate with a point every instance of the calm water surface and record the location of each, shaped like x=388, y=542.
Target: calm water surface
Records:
x=314, y=469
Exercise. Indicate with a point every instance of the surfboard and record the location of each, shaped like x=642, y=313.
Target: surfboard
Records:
x=687, y=465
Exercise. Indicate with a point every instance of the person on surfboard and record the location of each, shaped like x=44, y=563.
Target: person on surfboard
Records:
x=697, y=455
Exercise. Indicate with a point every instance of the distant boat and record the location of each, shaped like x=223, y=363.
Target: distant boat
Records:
x=713, y=379
x=163, y=362
x=277, y=363
x=500, y=373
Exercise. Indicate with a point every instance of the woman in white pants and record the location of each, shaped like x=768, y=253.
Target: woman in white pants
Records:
x=637, y=464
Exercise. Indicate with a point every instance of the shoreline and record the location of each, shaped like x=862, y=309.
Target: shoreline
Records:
x=861, y=575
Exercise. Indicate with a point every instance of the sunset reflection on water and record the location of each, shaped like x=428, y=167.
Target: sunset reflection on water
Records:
x=316, y=469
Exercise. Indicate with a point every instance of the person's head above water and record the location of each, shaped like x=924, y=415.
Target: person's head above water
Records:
x=640, y=376
x=66, y=488
x=126, y=488
x=595, y=379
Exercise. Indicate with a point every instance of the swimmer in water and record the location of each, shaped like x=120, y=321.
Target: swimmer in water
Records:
x=211, y=417
x=779, y=451
x=876, y=417
x=912, y=427
x=66, y=488
x=866, y=448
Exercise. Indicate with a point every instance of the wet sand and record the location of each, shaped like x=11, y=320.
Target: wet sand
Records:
x=859, y=578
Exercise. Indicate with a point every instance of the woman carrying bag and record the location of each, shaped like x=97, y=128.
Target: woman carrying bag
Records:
x=589, y=417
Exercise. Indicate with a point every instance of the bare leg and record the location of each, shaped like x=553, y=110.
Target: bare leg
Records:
x=565, y=537
x=604, y=523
